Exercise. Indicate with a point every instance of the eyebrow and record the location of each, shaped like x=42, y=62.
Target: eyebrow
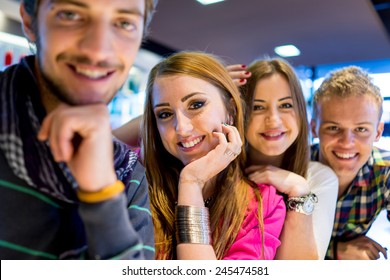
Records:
x=356, y=124
x=281, y=99
x=185, y=98
x=76, y=3
x=135, y=11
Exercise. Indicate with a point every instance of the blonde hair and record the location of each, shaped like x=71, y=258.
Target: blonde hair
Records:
x=227, y=211
x=346, y=82
x=296, y=157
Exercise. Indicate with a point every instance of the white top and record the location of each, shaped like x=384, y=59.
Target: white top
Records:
x=323, y=182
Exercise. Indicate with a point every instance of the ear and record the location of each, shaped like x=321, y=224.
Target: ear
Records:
x=379, y=131
x=27, y=24
x=313, y=128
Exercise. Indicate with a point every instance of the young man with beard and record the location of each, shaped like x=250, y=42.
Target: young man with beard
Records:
x=67, y=190
x=347, y=110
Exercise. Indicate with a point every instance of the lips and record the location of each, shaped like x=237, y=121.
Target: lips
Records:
x=273, y=135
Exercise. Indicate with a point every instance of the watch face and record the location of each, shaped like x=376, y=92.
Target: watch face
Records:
x=308, y=206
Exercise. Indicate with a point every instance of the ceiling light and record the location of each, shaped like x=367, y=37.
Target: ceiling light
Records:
x=287, y=51
x=208, y=2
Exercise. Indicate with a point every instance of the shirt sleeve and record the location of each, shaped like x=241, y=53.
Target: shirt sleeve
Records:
x=324, y=183
x=122, y=227
x=248, y=244
x=108, y=230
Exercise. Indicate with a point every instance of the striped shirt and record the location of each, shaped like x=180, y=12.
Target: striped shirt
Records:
x=38, y=221
x=363, y=200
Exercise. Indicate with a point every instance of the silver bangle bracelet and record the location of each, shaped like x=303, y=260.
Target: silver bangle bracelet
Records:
x=192, y=225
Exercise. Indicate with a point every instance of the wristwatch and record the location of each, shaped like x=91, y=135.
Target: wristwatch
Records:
x=302, y=204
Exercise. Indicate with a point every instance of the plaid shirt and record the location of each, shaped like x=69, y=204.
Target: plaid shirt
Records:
x=364, y=199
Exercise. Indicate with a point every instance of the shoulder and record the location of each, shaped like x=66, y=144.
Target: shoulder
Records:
x=321, y=178
x=380, y=157
x=316, y=169
x=126, y=161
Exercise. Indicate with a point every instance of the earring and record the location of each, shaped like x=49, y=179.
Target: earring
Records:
x=230, y=120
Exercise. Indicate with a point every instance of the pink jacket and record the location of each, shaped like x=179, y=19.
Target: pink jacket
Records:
x=247, y=245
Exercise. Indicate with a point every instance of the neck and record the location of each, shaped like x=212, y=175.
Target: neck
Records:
x=344, y=180
x=344, y=183
x=257, y=158
x=49, y=100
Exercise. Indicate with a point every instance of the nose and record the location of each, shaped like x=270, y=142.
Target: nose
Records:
x=183, y=124
x=96, y=42
x=272, y=118
x=347, y=137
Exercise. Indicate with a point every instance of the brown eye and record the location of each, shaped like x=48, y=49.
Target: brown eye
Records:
x=258, y=107
x=163, y=115
x=196, y=105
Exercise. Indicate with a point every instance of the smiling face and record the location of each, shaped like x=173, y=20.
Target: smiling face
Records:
x=273, y=126
x=85, y=48
x=347, y=129
x=187, y=111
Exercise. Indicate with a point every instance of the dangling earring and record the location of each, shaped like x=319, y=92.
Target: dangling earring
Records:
x=230, y=120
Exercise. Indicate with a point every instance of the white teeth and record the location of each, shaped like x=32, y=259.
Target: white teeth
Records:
x=191, y=143
x=273, y=134
x=93, y=74
x=345, y=156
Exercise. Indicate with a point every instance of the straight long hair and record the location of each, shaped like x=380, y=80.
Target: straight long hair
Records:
x=296, y=157
x=227, y=211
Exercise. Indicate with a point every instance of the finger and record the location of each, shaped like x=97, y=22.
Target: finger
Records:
x=224, y=147
x=372, y=253
x=254, y=168
x=240, y=75
x=61, y=136
x=232, y=134
x=378, y=248
x=236, y=67
x=258, y=177
x=47, y=132
x=43, y=133
x=234, y=139
x=222, y=142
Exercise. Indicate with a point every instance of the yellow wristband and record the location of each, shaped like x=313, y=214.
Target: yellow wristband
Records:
x=104, y=194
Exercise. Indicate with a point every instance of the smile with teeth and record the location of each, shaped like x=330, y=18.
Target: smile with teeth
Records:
x=345, y=155
x=92, y=74
x=191, y=143
x=273, y=134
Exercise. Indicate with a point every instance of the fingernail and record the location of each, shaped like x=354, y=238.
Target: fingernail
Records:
x=243, y=66
x=247, y=73
x=242, y=80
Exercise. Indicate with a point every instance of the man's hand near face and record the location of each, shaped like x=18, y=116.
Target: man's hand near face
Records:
x=80, y=136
